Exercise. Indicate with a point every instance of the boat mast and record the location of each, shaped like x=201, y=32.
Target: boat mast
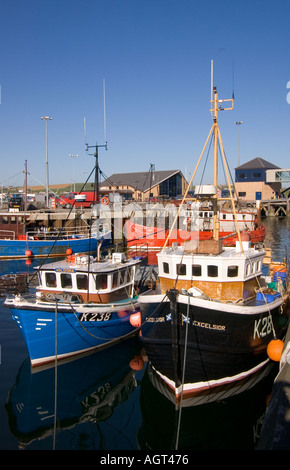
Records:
x=25, y=186
x=216, y=106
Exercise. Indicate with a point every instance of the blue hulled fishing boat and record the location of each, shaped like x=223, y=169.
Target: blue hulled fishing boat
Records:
x=81, y=304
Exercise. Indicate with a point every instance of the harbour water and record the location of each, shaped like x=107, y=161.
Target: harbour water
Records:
x=108, y=400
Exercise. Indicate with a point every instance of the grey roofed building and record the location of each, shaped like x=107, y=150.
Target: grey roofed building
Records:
x=142, y=180
x=256, y=164
x=138, y=185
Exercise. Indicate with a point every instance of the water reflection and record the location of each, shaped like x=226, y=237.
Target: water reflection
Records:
x=277, y=235
x=82, y=404
x=230, y=418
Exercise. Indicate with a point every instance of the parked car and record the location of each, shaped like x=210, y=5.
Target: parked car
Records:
x=16, y=202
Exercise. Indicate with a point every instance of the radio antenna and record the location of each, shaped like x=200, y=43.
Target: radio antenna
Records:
x=105, y=123
x=85, y=132
x=96, y=147
x=211, y=81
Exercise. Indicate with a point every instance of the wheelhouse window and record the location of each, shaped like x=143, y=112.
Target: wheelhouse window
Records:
x=101, y=281
x=181, y=269
x=233, y=271
x=50, y=279
x=165, y=268
x=212, y=270
x=66, y=280
x=196, y=270
x=124, y=276
x=115, y=280
x=82, y=281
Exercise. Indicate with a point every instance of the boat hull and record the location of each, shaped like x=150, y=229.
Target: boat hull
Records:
x=63, y=330
x=50, y=247
x=155, y=237
x=220, y=343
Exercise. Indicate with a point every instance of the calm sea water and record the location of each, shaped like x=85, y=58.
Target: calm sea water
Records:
x=102, y=402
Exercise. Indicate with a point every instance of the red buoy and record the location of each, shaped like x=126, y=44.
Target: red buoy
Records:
x=28, y=253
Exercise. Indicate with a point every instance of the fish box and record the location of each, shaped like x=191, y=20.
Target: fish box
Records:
x=214, y=247
x=261, y=297
x=279, y=275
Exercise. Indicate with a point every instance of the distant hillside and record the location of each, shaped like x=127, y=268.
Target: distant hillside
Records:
x=56, y=188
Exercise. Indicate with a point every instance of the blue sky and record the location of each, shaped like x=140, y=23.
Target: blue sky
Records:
x=155, y=58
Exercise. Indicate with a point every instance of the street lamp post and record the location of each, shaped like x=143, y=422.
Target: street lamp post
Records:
x=73, y=157
x=238, y=123
x=46, y=118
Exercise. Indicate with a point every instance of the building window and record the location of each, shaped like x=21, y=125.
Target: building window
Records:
x=196, y=270
x=165, y=268
x=181, y=269
x=242, y=194
x=212, y=270
x=233, y=271
x=242, y=175
x=256, y=175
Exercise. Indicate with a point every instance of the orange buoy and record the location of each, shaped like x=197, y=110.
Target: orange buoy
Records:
x=137, y=363
x=105, y=200
x=274, y=349
x=135, y=319
x=28, y=253
x=69, y=251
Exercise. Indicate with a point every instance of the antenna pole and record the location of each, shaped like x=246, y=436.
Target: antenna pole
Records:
x=211, y=80
x=105, y=124
x=96, y=147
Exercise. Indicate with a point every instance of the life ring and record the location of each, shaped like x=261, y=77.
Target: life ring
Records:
x=105, y=200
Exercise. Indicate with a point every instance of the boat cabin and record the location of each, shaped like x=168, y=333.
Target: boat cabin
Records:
x=201, y=218
x=227, y=276
x=12, y=225
x=83, y=279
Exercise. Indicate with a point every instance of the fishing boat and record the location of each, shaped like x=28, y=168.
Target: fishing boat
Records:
x=196, y=222
x=21, y=236
x=16, y=242
x=81, y=304
x=214, y=315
